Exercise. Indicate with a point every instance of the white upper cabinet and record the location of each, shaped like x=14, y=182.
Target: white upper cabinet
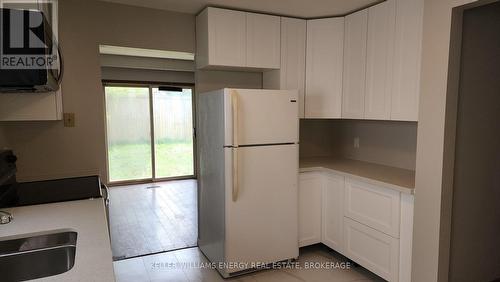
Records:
x=293, y=57
x=292, y=74
x=31, y=106
x=353, y=97
x=324, y=64
x=379, y=64
x=407, y=56
x=221, y=38
x=263, y=41
x=238, y=40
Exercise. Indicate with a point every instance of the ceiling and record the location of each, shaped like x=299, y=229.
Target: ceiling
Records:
x=294, y=8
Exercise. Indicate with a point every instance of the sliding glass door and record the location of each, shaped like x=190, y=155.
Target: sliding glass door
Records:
x=149, y=132
x=173, y=132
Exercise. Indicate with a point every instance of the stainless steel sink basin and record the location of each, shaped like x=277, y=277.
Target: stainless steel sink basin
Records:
x=37, y=256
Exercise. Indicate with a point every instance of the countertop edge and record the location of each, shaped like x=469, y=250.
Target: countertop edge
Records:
x=93, y=258
x=401, y=189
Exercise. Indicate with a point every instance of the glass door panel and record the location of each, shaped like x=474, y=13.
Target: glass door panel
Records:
x=173, y=132
x=128, y=122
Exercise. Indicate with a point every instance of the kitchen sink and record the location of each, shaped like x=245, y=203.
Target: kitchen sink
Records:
x=37, y=256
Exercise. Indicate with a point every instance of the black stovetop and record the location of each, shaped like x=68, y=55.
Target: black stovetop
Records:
x=51, y=191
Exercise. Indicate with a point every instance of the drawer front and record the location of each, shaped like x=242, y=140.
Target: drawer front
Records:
x=374, y=250
x=374, y=206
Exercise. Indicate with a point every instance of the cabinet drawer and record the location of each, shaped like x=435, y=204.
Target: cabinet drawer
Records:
x=374, y=250
x=374, y=206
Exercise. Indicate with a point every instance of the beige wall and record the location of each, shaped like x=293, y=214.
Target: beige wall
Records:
x=475, y=228
x=318, y=138
x=429, y=256
x=47, y=149
x=129, y=74
x=3, y=139
x=213, y=80
x=383, y=142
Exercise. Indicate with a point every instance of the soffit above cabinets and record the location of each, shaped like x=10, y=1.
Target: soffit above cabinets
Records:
x=292, y=8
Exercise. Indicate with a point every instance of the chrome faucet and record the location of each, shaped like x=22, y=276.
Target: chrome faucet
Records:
x=5, y=217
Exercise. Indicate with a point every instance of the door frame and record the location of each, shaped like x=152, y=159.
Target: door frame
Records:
x=450, y=128
x=150, y=86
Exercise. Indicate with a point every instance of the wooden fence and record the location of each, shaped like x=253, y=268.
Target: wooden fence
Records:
x=128, y=116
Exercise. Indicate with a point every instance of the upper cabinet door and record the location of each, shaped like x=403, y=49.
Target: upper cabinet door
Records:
x=263, y=41
x=407, y=56
x=324, y=64
x=353, y=98
x=293, y=57
x=221, y=38
x=379, y=61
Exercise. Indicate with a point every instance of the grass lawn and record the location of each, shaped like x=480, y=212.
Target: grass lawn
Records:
x=133, y=161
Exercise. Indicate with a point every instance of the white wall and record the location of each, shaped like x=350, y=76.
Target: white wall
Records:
x=429, y=254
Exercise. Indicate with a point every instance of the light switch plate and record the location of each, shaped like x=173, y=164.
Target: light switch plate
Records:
x=69, y=119
x=356, y=142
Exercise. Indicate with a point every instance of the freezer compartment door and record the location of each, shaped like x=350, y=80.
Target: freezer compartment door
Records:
x=261, y=205
x=260, y=116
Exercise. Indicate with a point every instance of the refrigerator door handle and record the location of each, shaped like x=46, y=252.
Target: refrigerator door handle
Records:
x=234, y=104
x=236, y=188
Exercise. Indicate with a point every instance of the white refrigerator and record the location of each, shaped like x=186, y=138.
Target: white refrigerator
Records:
x=248, y=177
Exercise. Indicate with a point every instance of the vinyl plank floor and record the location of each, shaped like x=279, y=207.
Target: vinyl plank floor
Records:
x=153, y=218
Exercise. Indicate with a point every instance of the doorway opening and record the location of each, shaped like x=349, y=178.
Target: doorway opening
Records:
x=150, y=133
x=151, y=165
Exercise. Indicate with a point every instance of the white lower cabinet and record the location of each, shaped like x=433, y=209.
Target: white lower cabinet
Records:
x=375, y=206
x=374, y=250
x=371, y=225
x=310, y=190
x=332, y=212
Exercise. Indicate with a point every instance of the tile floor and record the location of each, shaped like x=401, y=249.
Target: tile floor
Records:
x=152, y=218
x=171, y=266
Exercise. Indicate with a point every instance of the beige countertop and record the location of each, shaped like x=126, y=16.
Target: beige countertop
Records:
x=400, y=179
x=93, y=260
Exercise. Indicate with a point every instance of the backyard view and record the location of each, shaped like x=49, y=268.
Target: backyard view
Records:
x=129, y=133
x=133, y=161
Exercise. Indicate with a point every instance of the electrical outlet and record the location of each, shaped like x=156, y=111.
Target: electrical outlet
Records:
x=356, y=142
x=69, y=119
